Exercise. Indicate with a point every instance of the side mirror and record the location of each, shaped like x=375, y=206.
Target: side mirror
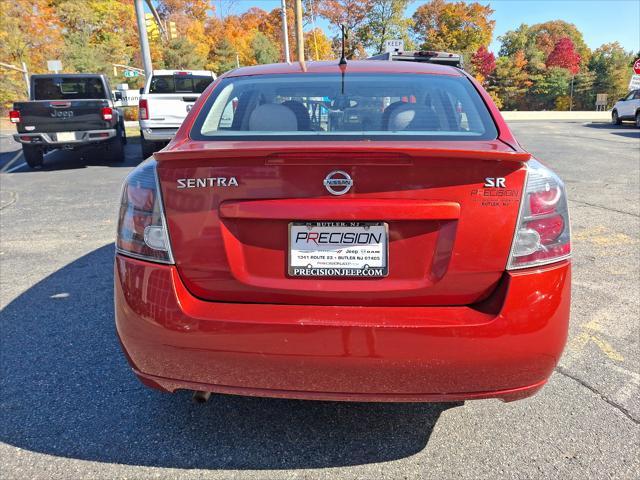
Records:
x=142, y=90
x=621, y=99
x=118, y=96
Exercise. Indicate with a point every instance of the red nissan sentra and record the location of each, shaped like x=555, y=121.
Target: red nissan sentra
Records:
x=367, y=232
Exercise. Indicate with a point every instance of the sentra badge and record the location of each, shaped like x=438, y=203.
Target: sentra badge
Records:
x=207, y=182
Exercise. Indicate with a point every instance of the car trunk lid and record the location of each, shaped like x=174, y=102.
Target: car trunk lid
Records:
x=231, y=212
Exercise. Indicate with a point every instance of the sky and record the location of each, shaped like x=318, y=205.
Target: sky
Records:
x=600, y=21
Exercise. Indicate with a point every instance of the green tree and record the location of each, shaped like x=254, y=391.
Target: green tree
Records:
x=584, y=96
x=264, y=50
x=555, y=83
x=511, y=80
x=385, y=21
x=180, y=53
x=81, y=55
x=610, y=64
x=95, y=36
x=224, y=57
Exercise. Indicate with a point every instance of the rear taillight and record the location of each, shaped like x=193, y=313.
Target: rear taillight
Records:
x=543, y=234
x=142, y=229
x=14, y=116
x=143, y=110
x=107, y=113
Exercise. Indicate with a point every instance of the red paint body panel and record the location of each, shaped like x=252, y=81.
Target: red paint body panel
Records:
x=326, y=209
x=505, y=347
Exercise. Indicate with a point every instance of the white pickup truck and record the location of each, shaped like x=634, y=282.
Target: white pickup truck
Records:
x=164, y=103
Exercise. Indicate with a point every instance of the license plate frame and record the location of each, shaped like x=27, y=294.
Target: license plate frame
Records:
x=377, y=253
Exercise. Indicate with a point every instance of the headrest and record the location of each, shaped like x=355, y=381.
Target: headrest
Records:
x=273, y=117
x=301, y=113
x=412, y=116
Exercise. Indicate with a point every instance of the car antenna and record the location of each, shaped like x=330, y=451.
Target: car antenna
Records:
x=343, y=60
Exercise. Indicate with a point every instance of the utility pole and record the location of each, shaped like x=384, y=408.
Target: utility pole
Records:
x=25, y=75
x=144, y=41
x=285, y=32
x=299, y=34
x=571, y=101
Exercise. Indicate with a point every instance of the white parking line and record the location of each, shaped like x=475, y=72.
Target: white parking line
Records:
x=12, y=161
x=17, y=167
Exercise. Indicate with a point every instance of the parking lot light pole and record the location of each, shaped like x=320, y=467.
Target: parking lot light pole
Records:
x=285, y=32
x=144, y=41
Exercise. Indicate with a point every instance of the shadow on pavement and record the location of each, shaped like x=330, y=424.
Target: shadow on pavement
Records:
x=67, y=391
x=628, y=130
x=85, y=157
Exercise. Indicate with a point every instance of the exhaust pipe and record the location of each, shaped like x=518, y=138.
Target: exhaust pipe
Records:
x=201, y=397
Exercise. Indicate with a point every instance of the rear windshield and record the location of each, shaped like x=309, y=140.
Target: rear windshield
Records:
x=179, y=83
x=68, y=88
x=358, y=106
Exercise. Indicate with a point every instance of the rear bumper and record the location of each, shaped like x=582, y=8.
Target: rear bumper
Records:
x=159, y=133
x=51, y=138
x=506, y=348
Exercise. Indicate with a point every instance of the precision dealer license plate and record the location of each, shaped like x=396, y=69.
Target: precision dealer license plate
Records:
x=338, y=249
x=65, y=136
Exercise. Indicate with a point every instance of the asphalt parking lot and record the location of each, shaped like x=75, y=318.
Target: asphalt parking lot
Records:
x=71, y=408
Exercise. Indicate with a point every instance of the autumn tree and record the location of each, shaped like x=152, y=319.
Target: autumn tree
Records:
x=317, y=45
x=19, y=20
x=350, y=13
x=484, y=63
x=449, y=26
x=538, y=41
x=190, y=18
x=548, y=34
x=565, y=56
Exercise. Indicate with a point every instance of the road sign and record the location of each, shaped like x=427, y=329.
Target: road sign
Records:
x=395, y=45
x=131, y=73
x=130, y=98
x=601, y=101
x=635, y=82
x=54, y=65
x=636, y=67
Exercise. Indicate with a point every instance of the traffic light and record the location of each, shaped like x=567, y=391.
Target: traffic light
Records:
x=173, y=30
x=153, y=32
